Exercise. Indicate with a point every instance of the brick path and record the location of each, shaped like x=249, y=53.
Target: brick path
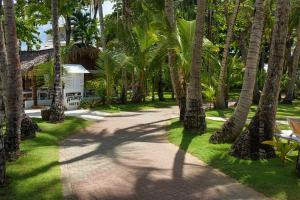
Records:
x=127, y=157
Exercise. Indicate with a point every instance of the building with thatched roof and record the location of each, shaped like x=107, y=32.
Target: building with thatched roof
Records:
x=81, y=67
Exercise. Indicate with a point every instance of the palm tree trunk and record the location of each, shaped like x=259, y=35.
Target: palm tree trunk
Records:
x=160, y=87
x=174, y=73
x=68, y=29
x=233, y=127
x=3, y=63
x=249, y=143
x=13, y=84
x=103, y=43
x=222, y=85
x=126, y=23
x=57, y=107
x=34, y=91
x=194, y=120
x=124, y=86
x=293, y=72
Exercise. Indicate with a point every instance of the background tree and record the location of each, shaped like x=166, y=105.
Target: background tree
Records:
x=222, y=85
x=293, y=72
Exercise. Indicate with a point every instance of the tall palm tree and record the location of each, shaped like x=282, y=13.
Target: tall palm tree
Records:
x=103, y=44
x=13, y=83
x=127, y=27
x=262, y=126
x=174, y=72
x=294, y=69
x=195, y=114
x=233, y=127
x=222, y=86
x=57, y=107
x=3, y=63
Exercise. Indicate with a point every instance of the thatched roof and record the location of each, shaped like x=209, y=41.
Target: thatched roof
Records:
x=29, y=59
x=87, y=56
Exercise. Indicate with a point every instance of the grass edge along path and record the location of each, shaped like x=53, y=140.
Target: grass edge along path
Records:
x=36, y=174
x=267, y=176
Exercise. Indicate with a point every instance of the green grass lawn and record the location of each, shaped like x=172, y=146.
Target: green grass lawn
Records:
x=283, y=111
x=36, y=174
x=136, y=107
x=268, y=176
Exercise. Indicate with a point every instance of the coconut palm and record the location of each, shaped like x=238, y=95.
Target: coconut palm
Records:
x=221, y=92
x=109, y=86
x=174, y=72
x=13, y=83
x=195, y=114
x=262, y=126
x=57, y=108
x=233, y=127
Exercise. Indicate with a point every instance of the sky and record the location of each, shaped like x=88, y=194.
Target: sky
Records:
x=107, y=9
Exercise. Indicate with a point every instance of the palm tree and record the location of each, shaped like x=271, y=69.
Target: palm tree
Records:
x=195, y=114
x=294, y=69
x=3, y=63
x=233, y=127
x=221, y=92
x=126, y=25
x=178, y=88
x=262, y=126
x=13, y=83
x=103, y=43
x=57, y=108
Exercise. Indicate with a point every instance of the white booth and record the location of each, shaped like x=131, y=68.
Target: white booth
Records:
x=73, y=80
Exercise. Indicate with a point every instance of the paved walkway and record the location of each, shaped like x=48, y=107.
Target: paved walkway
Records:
x=81, y=113
x=126, y=156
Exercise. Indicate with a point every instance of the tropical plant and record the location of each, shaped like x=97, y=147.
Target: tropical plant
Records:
x=84, y=28
x=284, y=148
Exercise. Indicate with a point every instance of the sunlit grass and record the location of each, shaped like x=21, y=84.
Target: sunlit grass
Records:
x=36, y=174
x=268, y=176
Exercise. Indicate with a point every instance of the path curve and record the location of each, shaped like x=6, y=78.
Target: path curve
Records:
x=127, y=156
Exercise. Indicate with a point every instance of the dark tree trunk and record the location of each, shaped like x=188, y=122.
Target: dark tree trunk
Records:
x=160, y=88
x=293, y=71
x=298, y=162
x=256, y=94
x=153, y=88
x=34, y=91
x=68, y=29
x=262, y=126
x=3, y=66
x=139, y=92
x=124, y=86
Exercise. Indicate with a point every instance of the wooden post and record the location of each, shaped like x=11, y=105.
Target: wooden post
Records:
x=34, y=91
